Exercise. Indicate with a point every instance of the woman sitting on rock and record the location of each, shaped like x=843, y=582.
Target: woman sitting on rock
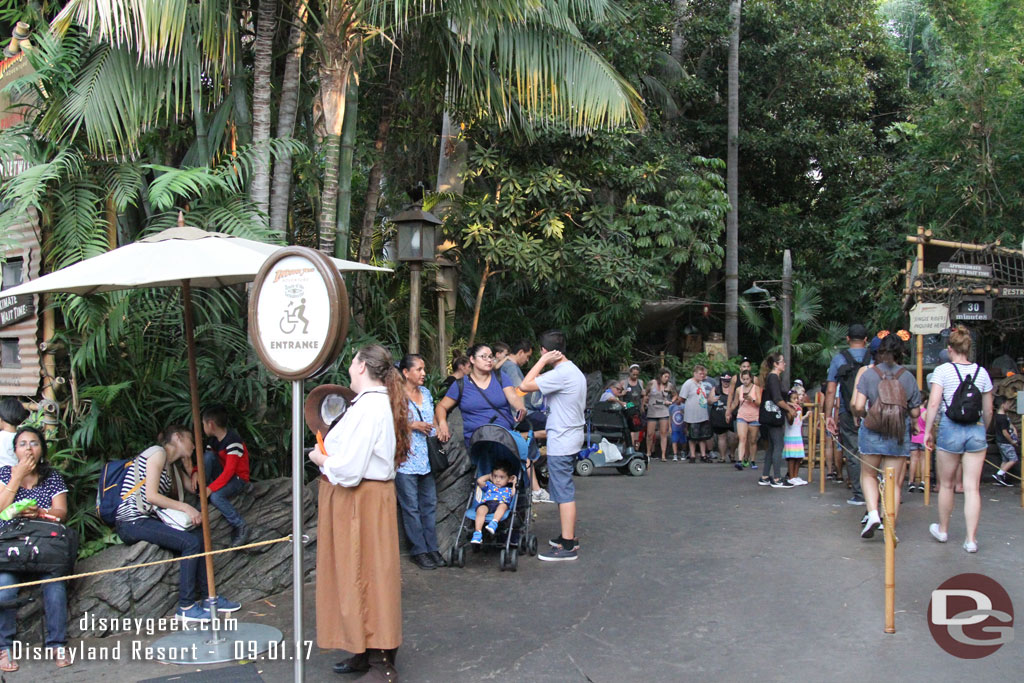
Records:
x=33, y=478
x=135, y=524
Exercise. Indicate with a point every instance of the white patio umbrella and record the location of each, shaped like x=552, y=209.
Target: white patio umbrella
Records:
x=183, y=257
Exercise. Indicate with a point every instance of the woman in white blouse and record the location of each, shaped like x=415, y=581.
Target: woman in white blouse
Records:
x=358, y=581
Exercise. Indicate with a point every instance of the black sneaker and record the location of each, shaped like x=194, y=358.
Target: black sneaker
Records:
x=240, y=535
x=781, y=484
x=764, y=481
x=559, y=554
x=559, y=542
x=1001, y=479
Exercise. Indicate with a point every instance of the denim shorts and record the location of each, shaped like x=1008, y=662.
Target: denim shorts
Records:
x=873, y=443
x=751, y=423
x=958, y=438
x=560, y=483
x=678, y=436
x=1009, y=452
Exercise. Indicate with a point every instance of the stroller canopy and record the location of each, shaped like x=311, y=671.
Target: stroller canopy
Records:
x=492, y=443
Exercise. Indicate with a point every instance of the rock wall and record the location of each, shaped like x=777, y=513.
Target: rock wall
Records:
x=243, y=576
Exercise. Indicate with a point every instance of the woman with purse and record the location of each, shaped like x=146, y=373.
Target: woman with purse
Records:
x=358, y=580
x=135, y=520
x=484, y=396
x=772, y=416
x=414, y=480
x=33, y=478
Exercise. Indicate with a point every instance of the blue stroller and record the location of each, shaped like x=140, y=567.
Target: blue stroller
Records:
x=489, y=445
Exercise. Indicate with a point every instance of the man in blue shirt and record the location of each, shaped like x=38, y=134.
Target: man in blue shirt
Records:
x=857, y=338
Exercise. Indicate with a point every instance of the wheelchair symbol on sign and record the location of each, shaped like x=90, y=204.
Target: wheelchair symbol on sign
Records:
x=293, y=315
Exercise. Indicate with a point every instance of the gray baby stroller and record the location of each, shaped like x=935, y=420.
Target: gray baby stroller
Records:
x=492, y=444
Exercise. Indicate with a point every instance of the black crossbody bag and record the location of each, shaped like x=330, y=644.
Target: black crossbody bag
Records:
x=435, y=452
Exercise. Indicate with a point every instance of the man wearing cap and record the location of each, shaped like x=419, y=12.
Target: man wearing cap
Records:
x=635, y=395
x=843, y=371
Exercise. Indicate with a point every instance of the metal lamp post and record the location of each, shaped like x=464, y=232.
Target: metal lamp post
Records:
x=417, y=243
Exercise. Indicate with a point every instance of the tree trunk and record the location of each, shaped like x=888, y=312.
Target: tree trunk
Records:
x=678, y=42
x=333, y=84
x=479, y=303
x=451, y=174
x=240, y=95
x=281, y=195
x=348, y=143
x=263, y=62
x=732, y=187
x=199, y=115
x=380, y=145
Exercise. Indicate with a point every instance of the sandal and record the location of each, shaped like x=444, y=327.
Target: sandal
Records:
x=7, y=664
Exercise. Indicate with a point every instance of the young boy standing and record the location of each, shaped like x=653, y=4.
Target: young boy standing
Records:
x=675, y=417
x=227, y=469
x=1006, y=439
x=565, y=390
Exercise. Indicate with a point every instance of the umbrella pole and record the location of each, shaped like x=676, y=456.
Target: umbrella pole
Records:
x=197, y=426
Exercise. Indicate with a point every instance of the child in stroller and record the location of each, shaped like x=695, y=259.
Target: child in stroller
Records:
x=497, y=488
x=500, y=456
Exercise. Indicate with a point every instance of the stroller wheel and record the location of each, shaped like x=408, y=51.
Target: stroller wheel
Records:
x=460, y=557
x=502, y=559
x=532, y=545
x=452, y=556
x=523, y=544
x=513, y=560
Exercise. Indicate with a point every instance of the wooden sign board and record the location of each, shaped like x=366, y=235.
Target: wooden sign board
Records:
x=15, y=309
x=965, y=269
x=974, y=308
x=929, y=318
x=1011, y=292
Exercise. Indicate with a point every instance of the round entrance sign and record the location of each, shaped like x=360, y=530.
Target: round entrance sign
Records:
x=298, y=313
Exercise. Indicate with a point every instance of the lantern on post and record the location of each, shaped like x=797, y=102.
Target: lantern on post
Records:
x=417, y=242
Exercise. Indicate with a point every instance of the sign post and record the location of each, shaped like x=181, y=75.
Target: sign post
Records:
x=298, y=319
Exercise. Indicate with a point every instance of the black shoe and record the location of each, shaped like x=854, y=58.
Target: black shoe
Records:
x=559, y=542
x=240, y=535
x=356, y=664
x=438, y=559
x=423, y=561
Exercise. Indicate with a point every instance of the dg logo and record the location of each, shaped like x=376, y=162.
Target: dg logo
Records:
x=970, y=616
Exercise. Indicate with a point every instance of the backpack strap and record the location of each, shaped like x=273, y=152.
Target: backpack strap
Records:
x=850, y=360
x=483, y=393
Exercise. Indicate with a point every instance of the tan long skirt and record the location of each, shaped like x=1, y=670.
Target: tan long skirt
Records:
x=358, y=580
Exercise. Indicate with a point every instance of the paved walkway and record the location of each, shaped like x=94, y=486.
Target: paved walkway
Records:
x=689, y=573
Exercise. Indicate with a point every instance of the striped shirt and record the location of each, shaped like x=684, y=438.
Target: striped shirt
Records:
x=946, y=377
x=129, y=510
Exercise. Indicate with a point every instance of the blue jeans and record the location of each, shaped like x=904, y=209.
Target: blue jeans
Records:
x=192, y=572
x=417, y=497
x=221, y=498
x=55, y=608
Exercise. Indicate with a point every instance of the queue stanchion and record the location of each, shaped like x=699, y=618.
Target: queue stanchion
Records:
x=821, y=454
x=890, y=550
x=927, y=464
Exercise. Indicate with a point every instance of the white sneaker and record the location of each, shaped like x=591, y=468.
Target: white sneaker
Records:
x=938, y=535
x=873, y=522
x=970, y=547
x=540, y=496
x=797, y=481
x=675, y=458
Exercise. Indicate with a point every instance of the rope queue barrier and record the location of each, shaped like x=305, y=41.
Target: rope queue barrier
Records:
x=113, y=570
x=889, y=510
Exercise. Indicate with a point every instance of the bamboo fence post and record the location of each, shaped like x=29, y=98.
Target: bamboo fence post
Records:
x=928, y=476
x=811, y=431
x=890, y=550
x=821, y=453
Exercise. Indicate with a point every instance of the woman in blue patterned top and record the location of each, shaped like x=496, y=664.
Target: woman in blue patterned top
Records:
x=33, y=478
x=414, y=482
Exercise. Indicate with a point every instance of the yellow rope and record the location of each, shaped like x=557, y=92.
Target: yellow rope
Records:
x=148, y=564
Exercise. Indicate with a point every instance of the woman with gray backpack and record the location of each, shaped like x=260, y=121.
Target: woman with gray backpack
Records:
x=887, y=399
x=963, y=391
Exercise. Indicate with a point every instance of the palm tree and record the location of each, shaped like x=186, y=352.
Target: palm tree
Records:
x=263, y=47
x=732, y=184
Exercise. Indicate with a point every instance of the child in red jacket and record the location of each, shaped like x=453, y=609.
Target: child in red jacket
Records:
x=227, y=469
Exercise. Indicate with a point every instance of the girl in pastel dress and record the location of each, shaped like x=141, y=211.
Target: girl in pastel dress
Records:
x=916, y=475
x=793, y=440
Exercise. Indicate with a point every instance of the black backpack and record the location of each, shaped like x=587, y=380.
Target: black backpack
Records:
x=965, y=406
x=847, y=375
